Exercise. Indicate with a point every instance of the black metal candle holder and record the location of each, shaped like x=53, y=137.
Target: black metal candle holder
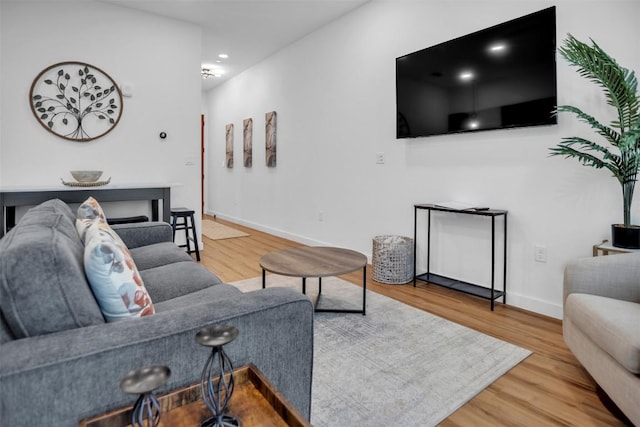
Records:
x=142, y=382
x=216, y=389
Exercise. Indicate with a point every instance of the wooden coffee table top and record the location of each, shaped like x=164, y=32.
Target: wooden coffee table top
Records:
x=313, y=261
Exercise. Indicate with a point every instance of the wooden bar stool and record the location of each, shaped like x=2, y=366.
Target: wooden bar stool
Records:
x=187, y=223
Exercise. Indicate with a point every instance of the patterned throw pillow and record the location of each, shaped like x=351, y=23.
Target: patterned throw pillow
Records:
x=113, y=276
x=88, y=212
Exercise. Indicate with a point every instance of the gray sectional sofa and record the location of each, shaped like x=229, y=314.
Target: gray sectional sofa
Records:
x=60, y=362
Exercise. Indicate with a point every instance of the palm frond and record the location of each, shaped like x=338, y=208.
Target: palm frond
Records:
x=609, y=134
x=566, y=149
x=630, y=152
x=619, y=84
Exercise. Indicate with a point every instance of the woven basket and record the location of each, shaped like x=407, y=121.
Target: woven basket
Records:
x=392, y=259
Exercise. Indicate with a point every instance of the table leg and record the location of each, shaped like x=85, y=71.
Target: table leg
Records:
x=166, y=204
x=264, y=278
x=2, y=218
x=304, y=285
x=493, y=260
x=504, y=262
x=10, y=217
x=154, y=210
x=319, y=286
x=364, y=290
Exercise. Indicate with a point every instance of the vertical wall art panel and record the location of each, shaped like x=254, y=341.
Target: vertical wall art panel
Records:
x=270, y=140
x=247, y=141
x=229, y=145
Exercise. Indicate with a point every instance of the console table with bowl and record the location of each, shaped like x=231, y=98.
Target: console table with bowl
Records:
x=317, y=261
x=255, y=402
x=11, y=197
x=470, y=288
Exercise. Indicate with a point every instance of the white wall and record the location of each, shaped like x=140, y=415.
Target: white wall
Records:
x=334, y=92
x=159, y=57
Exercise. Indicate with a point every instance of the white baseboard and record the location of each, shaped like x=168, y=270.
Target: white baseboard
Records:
x=276, y=232
x=533, y=304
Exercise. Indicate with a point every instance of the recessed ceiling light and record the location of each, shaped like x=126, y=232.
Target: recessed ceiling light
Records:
x=223, y=56
x=466, y=75
x=497, y=48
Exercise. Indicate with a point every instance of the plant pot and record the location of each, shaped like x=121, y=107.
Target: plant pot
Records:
x=625, y=237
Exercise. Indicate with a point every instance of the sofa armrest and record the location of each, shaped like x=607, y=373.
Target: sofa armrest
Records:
x=144, y=233
x=612, y=276
x=75, y=374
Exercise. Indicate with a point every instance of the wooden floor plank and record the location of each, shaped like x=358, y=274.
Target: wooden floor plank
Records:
x=549, y=388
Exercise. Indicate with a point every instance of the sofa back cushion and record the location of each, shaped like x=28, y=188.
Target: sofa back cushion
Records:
x=43, y=288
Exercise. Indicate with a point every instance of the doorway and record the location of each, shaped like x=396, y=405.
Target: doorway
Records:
x=202, y=164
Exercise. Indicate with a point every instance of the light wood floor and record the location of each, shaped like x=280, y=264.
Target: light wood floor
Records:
x=549, y=388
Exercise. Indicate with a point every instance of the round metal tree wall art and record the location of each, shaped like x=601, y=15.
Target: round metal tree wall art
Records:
x=76, y=101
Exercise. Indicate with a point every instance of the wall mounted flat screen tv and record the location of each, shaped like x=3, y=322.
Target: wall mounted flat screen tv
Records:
x=500, y=77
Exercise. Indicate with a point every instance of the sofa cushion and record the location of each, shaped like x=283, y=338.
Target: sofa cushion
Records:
x=144, y=233
x=158, y=254
x=611, y=324
x=177, y=279
x=52, y=210
x=43, y=288
x=211, y=293
x=113, y=275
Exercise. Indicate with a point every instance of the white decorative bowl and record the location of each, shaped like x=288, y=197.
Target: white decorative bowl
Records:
x=86, y=176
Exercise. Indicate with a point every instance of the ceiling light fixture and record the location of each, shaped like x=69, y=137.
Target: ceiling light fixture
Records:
x=207, y=73
x=466, y=75
x=223, y=56
x=498, y=49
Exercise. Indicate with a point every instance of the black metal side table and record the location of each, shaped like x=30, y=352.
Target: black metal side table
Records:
x=470, y=288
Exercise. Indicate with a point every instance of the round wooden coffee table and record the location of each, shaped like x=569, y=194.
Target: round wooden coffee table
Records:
x=316, y=261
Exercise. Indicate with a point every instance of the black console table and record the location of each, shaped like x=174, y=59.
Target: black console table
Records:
x=26, y=196
x=459, y=285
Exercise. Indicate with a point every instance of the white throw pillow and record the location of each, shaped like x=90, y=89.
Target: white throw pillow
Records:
x=113, y=276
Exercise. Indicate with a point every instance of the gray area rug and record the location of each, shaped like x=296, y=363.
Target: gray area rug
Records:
x=396, y=366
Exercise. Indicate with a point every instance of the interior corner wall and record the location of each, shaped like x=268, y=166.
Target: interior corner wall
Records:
x=334, y=93
x=159, y=57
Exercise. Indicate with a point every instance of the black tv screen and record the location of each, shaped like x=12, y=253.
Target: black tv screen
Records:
x=500, y=77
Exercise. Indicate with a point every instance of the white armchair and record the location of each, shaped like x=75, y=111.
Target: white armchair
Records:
x=601, y=324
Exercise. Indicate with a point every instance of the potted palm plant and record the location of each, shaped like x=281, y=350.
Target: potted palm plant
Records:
x=621, y=154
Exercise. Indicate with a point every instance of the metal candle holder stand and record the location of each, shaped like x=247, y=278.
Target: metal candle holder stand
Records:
x=142, y=382
x=216, y=390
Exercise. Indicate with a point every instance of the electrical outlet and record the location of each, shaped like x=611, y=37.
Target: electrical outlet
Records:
x=541, y=253
x=380, y=158
x=321, y=216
